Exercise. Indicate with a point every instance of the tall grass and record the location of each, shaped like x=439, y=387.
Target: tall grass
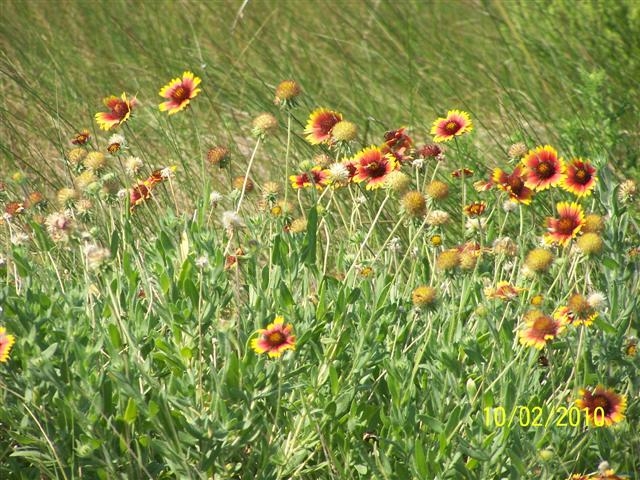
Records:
x=141, y=367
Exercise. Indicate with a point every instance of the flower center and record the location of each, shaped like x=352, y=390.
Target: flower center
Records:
x=545, y=170
x=180, y=94
x=602, y=402
x=452, y=127
x=565, y=226
x=275, y=338
x=582, y=176
x=515, y=184
x=544, y=325
x=376, y=169
x=121, y=109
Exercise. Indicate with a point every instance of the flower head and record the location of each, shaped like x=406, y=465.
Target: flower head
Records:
x=454, y=124
x=264, y=124
x=398, y=143
x=577, y=311
x=315, y=177
x=424, y=296
x=119, y=111
x=398, y=181
x=287, y=92
x=374, y=166
x=604, y=407
x=6, y=342
x=503, y=291
x=590, y=244
x=539, y=260
x=567, y=226
x=218, y=155
x=438, y=190
x=59, y=226
x=414, y=203
x=81, y=137
x=320, y=124
x=517, y=150
x=580, y=178
x=540, y=329
x=544, y=168
x=179, y=93
x=274, y=339
x=343, y=131
x=475, y=209
x=514, y=184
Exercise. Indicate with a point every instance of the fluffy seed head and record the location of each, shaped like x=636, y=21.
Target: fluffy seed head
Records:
x=590, y=243
x=424, y=296
x=264, y=124
x=437, y=217
x=66, y=195
x=438, y=190
x=518, y=150
x=76, y=155
x=505, y=246
x=344, y=131
x=298, y=225
x=398, y=181
x=414, y=203
x=593, y=223
x=539, y=260
x=628, y=190
x=94, y=160
x=132, y=165
x=448, y=260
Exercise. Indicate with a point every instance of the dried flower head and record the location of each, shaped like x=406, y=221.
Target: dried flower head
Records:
x=218, y=155
x=424, y=296
x=627, y=191
x=231, y=221
x=287, y=92
x=593, y=223
x=95, y=161
x=438, y=190
x=343, y=131
x=437, y=217
x=398, y=181
x=505, y=246
x=239, y=182
x=448, y=260
x=59, y=226
x=414, y=203
x=539, y=260
x=299, y=225
x=76, y=155
x=132, y=165
x=590, y=244
x=85, y=179
x=517, y=150
x=264, y=124
x=95, y=256
x=66, y=196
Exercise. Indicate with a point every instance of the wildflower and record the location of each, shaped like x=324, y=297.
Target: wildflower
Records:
x=238, y=183
x=504, y=291
x=76, y=155
x=537, y=300
x=631, y=349
x=567, y=226
x=462, y=172
x=398, y=143
x=139, y=193
x=604, y=407
x=374, y=166
x=418, y=163
x=343, y=131
x=578, y=311
x=66, y=195
x=215, y=198
x=437, y=217
x=366, y=272
x=264, y=124
x=505, y=246
x=540, y=329
x=454, y=124
x=274, y=339
x=6, y=342
x=517, y=150
x=232, y=221
x=435, y=240
x=85, y=179
x=19, y=238
x=483, y=185
x=322, y=159
x=132, y=165
x=514, y=184
x=596, y=300
x=398, y=181
x=544, y=168
x=298, y=225
x=470, y=253
x=424, y=296
x=430, y=150
x=539, y=260
x=580, y=178
x=593, y=223
x=414, y=203
x=438, y=190
x=627, y=191
x=475, y=224
x=202, y=262
x=115, y=143
x=179, y=93
x=475, y=209
x=287, y=92
x=94, y=161
x=338, y=174
x=96, y=256
x=320, y=124
x=81, y=137
x=218, y=155
x=317, y=176
x=509, y=206
x=120, y=110
x=59, y=226
x=590, y=243
x=14, y=208
x=448, y=260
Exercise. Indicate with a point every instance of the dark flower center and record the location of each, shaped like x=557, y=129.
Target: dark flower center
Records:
x=544, y=326
x=275, y=339
x=582, y=176
x=326, y=123
x=121, y=109
x=180, y=94
x=376, y=169
x=565, y=226
x=602, y=402
x=451, y=127
x=545, y=170
x=515, y=184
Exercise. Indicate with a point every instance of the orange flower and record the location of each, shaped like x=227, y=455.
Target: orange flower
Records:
x=567, y=226
x=319, y=126
x=454, y=124
x=120, y=110
x=580, y=178
x=503, y=291
x=374, y=166
x=317, y=176
x=514, y=184
x=81, y=137
x=475, y=209
x=6, y=342
x=540, y=329
x=578, y=311
x=179, y=93
x=603, y=407
x=544, y=168
x=274, y=339
x=398, y=143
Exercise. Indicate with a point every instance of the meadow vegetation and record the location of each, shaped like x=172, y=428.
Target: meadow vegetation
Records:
x=319, y=240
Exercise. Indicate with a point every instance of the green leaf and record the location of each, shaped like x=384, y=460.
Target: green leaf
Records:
x=131, y=412
x=310, y=241
x=420, y=460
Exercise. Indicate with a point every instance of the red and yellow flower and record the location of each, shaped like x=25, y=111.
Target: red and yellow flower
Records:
x=119, y=111
x=503, y=291
x=454, y=124
x=580, y=178
x=544, y=168
x=540, y=329
x=316, y=176
x=398, y=143
x=475, y=209
x=569, y=222
x=6, y=342
x=81, y=137
x=179, y=93
x=514, y=184
x=373, y=166
x=604, y=407
x=319, y=126
x=275, y=339
x=577, y=311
